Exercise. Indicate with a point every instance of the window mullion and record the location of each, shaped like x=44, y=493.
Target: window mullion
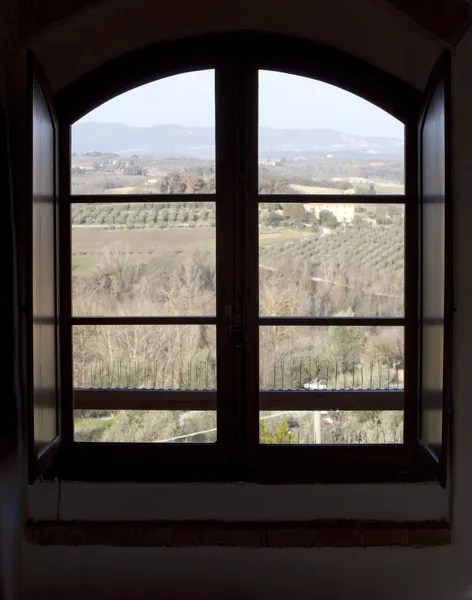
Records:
x=65, y=292
x=227, y=366
x=411, y=261
x=250, y=263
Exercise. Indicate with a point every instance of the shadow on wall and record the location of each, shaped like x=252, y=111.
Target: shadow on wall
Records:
x=10, y=446
x=113, y=27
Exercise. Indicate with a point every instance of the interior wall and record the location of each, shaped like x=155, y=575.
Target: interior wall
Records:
x=12, y=483
x=111, y=27
x=361, y=28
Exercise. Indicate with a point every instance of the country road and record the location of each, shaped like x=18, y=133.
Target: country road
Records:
x=320, y=279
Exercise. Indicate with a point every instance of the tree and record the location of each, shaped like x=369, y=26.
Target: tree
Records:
x=365, y=188
x=295, y=212
x=359, y=222
x=348, y=344
x=327, y=219
x=386, y=347
x=274, y=219
x=382, y=217
x=282, y=434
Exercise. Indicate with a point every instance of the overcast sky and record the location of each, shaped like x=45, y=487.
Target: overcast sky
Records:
x=286, y=102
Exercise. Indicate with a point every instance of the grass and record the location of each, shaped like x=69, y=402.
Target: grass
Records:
x=94, y=423
x=130, y=190
x=144, y=244
x=269, y=236
x=82, y=265
x=389, y=188
x=382, y=246
x=90, y=428
x=312, y=189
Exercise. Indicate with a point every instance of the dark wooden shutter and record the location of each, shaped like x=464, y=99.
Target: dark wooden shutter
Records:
x=43, y=416
x=436, y=267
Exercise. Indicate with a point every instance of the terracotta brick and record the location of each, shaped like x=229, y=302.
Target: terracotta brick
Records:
x=380, y=536
x=424, y=537
x=232, y=537
x=296, y=537
x=147, y=536
x=217, y=536
x=254, y=535
x=339, y=536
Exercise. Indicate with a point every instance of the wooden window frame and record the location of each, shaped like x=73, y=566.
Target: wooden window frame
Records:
x=241, y=457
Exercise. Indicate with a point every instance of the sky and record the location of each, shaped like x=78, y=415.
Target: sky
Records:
x=285, y=102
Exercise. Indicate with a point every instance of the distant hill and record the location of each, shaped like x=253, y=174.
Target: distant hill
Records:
x=165, y=141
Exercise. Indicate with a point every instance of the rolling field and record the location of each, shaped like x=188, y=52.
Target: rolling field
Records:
x=380, y=248
x=311, y=189
x=143, y=245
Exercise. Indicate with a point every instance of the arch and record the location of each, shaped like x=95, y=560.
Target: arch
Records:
x=261, y=50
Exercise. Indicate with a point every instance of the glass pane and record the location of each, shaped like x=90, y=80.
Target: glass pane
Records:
x=331, y=427
x=434, y=270
x=156, y=139
x=315, y=138
x=333, y=358
x=144, y=259
x=144, y=357
x=174, y=426
x=331, y=259
x=177, y=357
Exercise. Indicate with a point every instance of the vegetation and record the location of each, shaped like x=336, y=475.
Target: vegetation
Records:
x=358, y=176
x=96, y=173
x=281, y=435
x=158, y=258
x=145, y=215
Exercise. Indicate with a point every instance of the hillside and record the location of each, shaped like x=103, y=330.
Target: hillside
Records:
x=158, y=258
x=199, y=142
x=357, y=267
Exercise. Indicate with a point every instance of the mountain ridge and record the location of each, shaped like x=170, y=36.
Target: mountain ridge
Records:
x=163, y=141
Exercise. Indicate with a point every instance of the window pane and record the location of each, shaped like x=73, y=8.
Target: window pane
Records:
x=315, y=138
x=177, y=357
x=174, y=426
x=142, y=357
x=144, y=259
x=333, y=358
x=156, y=139
x=331, y=259
x=331, y=427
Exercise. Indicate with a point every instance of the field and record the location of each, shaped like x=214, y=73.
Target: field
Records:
x=158, y=258
x=143, y=246
x=113, y=174
x=311, y=189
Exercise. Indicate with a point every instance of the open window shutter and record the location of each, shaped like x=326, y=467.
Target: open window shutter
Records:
x=43, y=416
x=436, y=276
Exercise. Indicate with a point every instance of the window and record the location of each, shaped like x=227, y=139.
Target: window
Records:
x=240, y=271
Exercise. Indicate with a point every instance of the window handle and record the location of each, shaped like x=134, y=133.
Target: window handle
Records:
x=233, y=325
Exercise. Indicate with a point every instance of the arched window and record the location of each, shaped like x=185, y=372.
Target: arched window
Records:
x=240, y=270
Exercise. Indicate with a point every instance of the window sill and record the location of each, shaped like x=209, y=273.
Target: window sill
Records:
x=268, y=534
x=272, y=465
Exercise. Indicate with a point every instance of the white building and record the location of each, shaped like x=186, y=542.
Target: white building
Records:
x=343, y=212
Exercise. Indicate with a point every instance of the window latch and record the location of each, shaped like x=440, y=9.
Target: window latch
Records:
x=233, y=325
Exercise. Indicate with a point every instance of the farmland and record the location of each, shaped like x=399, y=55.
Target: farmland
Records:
x=158, y=258
x=97, y=173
